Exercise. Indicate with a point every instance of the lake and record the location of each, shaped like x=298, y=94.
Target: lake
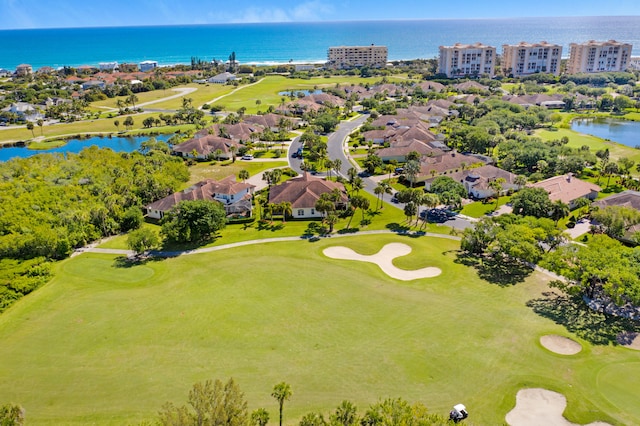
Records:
x=621, y=131
x=118, y=144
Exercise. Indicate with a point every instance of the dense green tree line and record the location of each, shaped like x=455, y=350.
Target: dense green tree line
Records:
x=52, y=203
x=218, y=403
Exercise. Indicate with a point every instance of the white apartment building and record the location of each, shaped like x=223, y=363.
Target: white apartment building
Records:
x=598, y=56
x=108, y=66
x=530, y=58
x=148, y=65
x=357, y=56
x=461, y=60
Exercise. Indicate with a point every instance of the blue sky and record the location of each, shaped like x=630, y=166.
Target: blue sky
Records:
x=15, y=14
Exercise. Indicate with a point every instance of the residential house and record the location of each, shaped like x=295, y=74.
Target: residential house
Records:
x=568, y=189
x=476, y=181
x=304, y=192
x=24, y=70
x=447, y=163
x=146, y=66
x=108, y=66
x=222, y=78
x=241, y=132
x=630, y=199
x=470, y=87
x=400, y=150
x=87, y=85
x=4, y=73
x=271, y=121
x=205, y=147
x=234, y=196
x=24, y=111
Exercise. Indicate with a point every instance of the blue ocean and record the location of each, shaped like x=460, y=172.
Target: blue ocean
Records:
x=295, y=42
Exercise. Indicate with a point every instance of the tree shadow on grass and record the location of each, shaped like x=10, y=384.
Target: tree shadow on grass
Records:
x=396, y=227
x=496, y=270
x=268, y=226
x=136, y=260
x=571, y=312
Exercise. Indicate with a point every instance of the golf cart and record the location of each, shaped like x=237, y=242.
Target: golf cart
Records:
x=458, y=413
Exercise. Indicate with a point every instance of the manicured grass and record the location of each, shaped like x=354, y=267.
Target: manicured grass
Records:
x=204, y=93
x=108, y=344
x=267, y=89
x=221, y=169
x=576, y=140
x=479, y=209
x=100, y=126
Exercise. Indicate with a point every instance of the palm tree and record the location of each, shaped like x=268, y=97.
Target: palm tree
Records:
x=260, y=417
x=243, y=174
x=30, y=127
x=337, y=165
x=132, y=99
x=286, y=209
x=521, y=181
x=559, y=210
x=610, y=169
x=378, y=190
x=40, y=123
x=281, y=392
x=412, y=168
x=357, y=185
x=496, y=185
x=233, y=150
x=581, y=203
x=117, y=124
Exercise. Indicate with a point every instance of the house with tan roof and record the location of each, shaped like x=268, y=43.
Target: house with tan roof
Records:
x=445, y=164
x=627, y=198
x=400, y=150
x=476, y=181
x=304, y=192
x=206, y=146
x=240, y=132
x=567, y=189
x=271, y=121
x=234, y=196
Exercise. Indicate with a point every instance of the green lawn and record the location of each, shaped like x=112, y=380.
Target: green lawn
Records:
x=479, y=209
x=105, y=343
x=576, y=140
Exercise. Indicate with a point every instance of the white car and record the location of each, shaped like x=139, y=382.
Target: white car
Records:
x=247, y=157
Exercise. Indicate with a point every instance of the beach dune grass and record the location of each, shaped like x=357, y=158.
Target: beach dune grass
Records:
x=109, y=343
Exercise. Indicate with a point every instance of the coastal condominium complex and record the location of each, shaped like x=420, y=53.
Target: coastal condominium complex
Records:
x=598, y=56
x=357, y=56
x=530, y=58
x=462, y=60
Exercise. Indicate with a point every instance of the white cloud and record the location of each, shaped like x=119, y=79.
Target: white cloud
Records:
x=314, y=10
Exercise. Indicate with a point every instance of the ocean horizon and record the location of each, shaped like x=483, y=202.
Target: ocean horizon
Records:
x=280, y=43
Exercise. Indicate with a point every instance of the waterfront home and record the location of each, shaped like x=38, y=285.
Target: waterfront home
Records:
x=304, y=192
x=23, y=70
x=146, y=66
x=206, y=147
x=241, y=132
x=108, y=66
x=234, y=196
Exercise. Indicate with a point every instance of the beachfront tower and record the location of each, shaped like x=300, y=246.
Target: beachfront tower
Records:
x=598, y=56
x=467, y=60
x=530, y=58
x=344, y=57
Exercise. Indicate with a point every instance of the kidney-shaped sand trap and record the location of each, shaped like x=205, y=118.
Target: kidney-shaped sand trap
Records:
x=560, y=345
x=538, y=407
x=384, y=259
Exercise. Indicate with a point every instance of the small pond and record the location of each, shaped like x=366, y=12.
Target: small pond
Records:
x=621, y=131
x=118, y=144
x=300, y=92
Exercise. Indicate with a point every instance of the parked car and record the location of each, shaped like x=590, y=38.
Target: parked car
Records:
x=247, y=157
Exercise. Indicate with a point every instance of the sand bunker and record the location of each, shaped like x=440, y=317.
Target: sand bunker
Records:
x=540, y=407
x=384, y=259
x=629, y=340
x=560, y=345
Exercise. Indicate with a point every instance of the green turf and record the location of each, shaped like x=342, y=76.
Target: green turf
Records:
x=479, y=209
x=107, y=343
